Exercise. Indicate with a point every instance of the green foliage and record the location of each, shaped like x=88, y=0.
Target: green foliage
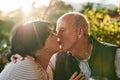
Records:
x=5, y=29
x=103, y=26
x=56, y=10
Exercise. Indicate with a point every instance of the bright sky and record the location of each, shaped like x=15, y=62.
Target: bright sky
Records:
x=115, y=2
x=77, y=6
x=10, y=5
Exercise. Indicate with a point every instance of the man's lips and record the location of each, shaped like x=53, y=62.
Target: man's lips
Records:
x=59, y=42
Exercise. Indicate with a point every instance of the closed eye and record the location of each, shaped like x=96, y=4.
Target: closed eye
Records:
x=62, y=30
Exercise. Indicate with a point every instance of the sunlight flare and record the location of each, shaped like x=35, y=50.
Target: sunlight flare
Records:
x=26, y=5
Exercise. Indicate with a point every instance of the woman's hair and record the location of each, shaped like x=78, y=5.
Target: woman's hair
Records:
x=27, y=38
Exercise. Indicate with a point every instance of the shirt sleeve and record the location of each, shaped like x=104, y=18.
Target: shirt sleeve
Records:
x=117, y=62
x=52, y=61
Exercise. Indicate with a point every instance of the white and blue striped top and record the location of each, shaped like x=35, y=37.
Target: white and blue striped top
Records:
x=26, y=69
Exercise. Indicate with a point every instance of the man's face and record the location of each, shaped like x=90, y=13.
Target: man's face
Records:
x=67, y=35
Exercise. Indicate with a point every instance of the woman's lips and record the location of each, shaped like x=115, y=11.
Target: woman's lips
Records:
x=58, y=40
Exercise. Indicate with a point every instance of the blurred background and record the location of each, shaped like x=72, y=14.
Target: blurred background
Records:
x=104, y=17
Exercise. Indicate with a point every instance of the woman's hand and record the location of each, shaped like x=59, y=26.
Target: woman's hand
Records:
x=77, y=76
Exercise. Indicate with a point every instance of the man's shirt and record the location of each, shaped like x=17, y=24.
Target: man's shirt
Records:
x=84, y=66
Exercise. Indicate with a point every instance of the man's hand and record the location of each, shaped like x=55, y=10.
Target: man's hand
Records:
x=77, y=76
x=15, y=57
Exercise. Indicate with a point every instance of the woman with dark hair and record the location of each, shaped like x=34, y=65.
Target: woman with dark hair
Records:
x=33, y=40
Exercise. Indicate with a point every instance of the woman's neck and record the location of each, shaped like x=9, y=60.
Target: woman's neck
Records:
x=44, y=57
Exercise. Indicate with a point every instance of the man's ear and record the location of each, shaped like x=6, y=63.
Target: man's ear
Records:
x=80, y=32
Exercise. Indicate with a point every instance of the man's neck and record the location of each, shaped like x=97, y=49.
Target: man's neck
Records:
x=84, y=50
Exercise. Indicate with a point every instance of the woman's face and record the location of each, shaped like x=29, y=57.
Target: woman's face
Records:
x=52, y=44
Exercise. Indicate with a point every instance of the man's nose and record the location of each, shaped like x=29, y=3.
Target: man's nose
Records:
x=59, y=34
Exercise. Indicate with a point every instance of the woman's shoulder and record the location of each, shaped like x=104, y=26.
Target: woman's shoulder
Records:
x=25, y=69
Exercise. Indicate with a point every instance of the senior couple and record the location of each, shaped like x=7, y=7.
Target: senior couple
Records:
x=72, y=54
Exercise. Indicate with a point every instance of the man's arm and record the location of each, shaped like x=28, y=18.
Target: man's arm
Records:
x=50, y=72
x=51, y=67
x=52, y=61
x=15, y=57
x=117, y=63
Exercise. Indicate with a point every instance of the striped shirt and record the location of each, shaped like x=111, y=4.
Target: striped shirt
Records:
x=26, y=69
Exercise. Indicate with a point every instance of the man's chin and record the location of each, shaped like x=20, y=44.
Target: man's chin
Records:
x=65, y=50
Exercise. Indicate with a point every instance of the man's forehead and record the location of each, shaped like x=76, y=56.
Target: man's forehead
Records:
x=60, y=26
x=65, y=21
